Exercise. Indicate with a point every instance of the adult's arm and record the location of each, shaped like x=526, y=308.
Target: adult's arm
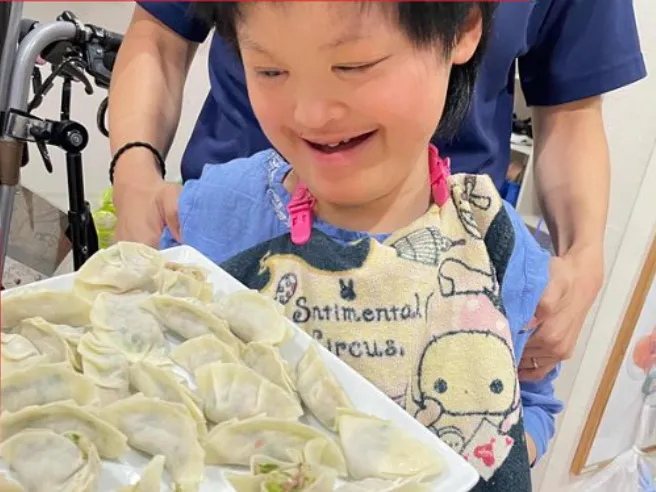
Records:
x=145, y=101
x=585, y=49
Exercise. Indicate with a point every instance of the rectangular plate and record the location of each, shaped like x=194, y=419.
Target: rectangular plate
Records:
x=457, y=476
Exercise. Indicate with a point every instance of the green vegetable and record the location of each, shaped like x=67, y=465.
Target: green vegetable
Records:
x=265, y=468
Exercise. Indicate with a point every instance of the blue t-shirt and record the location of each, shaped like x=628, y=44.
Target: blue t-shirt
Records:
x=236, y=215
x=566, y=50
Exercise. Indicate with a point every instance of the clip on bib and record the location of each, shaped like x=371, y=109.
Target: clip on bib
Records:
x=301, y=204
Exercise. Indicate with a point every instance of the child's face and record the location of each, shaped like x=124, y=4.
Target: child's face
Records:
x=319, y=73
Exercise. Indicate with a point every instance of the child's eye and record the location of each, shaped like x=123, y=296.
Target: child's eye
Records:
x=359, y=67
x=355, y=68
x=269, y=73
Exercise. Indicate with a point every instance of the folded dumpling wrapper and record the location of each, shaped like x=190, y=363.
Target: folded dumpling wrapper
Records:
x=377, y=448
x=254, y=317
x=151, y=478
x=205, y=349
x=57, y=307
x=123, y=267
x=45, y=461
x=67, y=416
x=319, y=389
x=235, y=442
x=154, y=427
x=46, y=383
x=236, y=391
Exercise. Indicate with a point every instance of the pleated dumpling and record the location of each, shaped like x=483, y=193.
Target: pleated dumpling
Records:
x=236, y=442
x=66, y=416
x=45, y=461
x=235, y=391
x=196, y=352
x=151, y=477
x=188, y=319
x=254, y=317
x=18, y=353
x=318, y=388
x=123, y=267
x=121, y=320
x=180, y=280
x=154, y=427
x=46, y=383
x=106, y=366
x=274, y=476
x=265, y=360
x=47, y=340
x=376, y=448
x=56, y=307
x=153, y=381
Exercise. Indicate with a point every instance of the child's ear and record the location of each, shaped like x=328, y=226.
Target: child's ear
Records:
x=468, y=38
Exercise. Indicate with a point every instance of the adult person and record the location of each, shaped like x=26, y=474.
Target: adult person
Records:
x=569, y=53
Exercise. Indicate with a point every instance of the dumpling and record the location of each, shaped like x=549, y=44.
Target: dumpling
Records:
x=236, y=442
x=376, y=448
x=43, y=384
x=151, y=477
x=254, y=317
x=72, y=335
x=202, y=350
x=275, y=477
x=45, y=461
x=154, y=426
x=319, y=389
x=156, y=382
x=121, y=320
x=188, y=319
x=18, y=353
x=57, y=307
x=235, y=391
x=62, y=417
x=123, y=267
x=180, y=280
x=106, y=366
x=46, y=339
x=265, y=360
x=380, y=485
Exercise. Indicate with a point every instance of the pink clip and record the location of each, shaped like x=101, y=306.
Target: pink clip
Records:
x=440, y=169
x=300, y=214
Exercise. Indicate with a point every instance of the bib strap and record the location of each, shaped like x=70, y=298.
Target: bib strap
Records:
x=302, y=202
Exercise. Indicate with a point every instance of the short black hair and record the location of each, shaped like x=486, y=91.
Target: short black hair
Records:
x=424, y=23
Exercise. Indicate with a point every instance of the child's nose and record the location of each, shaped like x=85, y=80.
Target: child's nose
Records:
x=316, y=111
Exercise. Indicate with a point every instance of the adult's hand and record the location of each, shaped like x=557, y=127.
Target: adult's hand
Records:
x=144, y=209
x=575, y=281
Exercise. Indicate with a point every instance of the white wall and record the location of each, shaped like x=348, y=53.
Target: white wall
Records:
x=631, y=127
x=114, y=16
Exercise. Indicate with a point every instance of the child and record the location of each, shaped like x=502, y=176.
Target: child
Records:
x=421, y=281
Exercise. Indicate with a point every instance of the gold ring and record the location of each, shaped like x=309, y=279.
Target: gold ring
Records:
x=534, y=362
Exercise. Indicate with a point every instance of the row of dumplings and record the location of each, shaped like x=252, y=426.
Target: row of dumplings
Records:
x=141, y=354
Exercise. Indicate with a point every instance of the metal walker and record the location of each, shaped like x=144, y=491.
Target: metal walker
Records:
x=72, y=49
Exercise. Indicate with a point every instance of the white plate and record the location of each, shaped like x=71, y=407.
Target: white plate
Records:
x=457, y=476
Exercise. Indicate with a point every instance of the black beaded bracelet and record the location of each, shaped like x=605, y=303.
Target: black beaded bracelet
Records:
x=130, y=145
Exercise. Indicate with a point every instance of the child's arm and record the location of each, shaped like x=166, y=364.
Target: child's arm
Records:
x=525, y=279
x=540, y=409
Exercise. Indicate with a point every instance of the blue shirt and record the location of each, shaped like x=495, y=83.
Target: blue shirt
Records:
x=566, y=50
x=235, y=207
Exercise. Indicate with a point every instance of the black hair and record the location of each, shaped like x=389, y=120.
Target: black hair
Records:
x=424, y=23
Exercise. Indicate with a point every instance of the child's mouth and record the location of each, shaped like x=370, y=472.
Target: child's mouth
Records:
x=343, y=145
